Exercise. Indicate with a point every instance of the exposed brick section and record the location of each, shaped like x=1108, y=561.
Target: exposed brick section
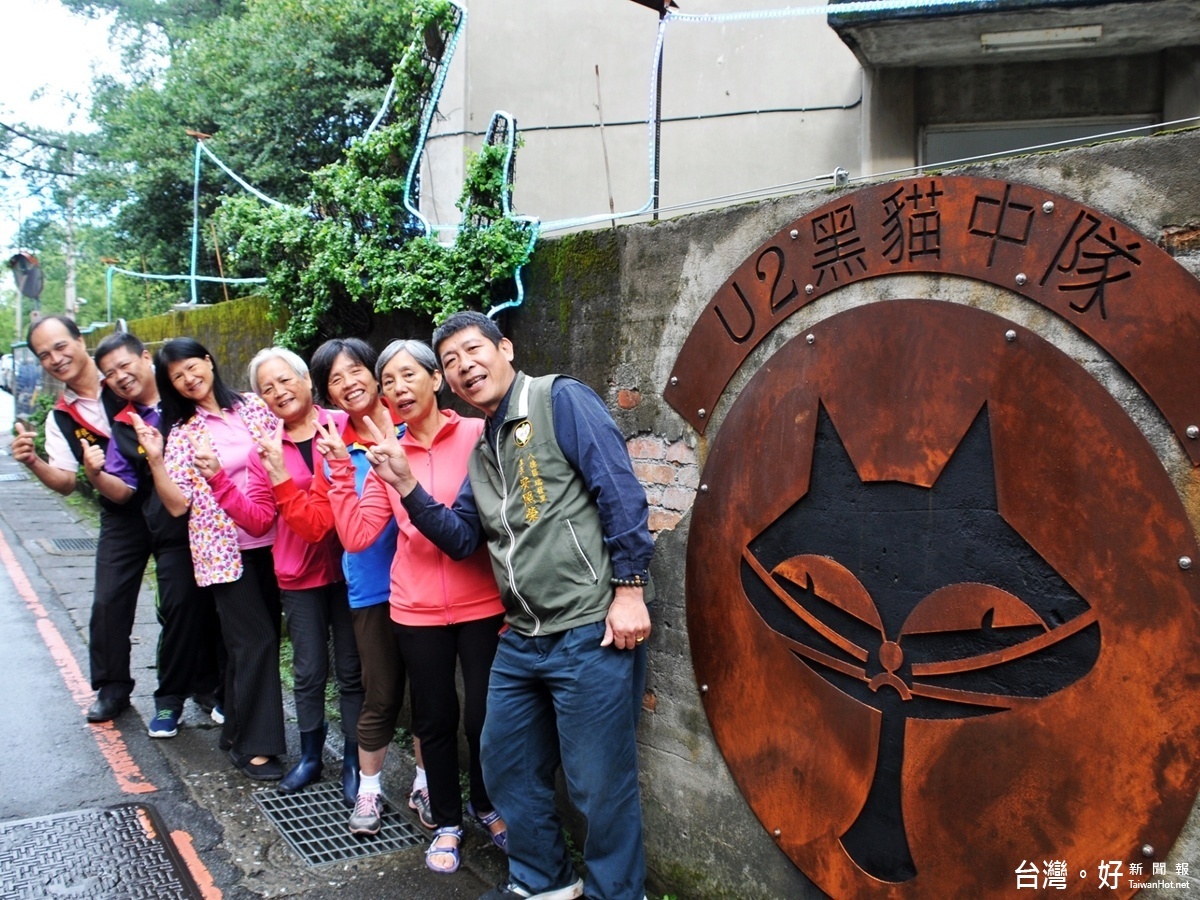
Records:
x=663, y=521
x=651, y=473
x=681, y=454
x=676, y=498
x=645, y=447
x=670, y=474
x=650, y=701
x=628, y=399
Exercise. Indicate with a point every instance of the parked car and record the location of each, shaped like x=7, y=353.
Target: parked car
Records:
x=7, y=377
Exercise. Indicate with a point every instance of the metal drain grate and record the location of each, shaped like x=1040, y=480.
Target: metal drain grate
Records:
x=75, y=545
x=14, y=476
x=120, y=853
x=314, y=823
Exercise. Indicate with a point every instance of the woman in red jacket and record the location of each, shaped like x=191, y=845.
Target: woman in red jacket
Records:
x=443, y=612
x=310, y=576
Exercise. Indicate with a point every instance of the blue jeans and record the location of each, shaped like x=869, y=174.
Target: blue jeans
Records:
x=564, y=699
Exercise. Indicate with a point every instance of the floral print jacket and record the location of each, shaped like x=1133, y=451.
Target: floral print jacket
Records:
x=212, y=534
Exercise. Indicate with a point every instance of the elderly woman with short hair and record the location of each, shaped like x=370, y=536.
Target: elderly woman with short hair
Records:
x=310, y=577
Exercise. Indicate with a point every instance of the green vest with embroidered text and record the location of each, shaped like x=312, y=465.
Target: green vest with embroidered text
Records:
x=544, y=532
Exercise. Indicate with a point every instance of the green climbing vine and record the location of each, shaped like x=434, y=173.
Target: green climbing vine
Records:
x=356, y=243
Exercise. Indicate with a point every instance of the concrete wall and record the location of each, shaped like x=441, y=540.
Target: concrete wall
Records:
x=746, y=105
x=614, y=306
x=563, y=69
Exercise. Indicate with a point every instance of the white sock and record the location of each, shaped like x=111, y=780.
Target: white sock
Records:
x=370, y=784
x=419, y=782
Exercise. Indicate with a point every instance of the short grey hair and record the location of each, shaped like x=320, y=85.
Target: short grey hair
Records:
x=418, y=350
x=292, y=359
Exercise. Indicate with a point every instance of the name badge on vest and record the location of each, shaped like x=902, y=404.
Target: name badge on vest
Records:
x=522, y=433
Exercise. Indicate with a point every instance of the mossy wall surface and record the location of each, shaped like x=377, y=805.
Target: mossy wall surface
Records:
x=232, y=331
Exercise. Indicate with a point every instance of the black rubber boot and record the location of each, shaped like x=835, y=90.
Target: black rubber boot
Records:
x=350, y=773
x=308, y=769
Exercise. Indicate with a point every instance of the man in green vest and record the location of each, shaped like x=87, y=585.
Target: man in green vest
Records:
x=551, y=489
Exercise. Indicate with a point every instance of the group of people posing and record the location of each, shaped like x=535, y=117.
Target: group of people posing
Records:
x=513, y=548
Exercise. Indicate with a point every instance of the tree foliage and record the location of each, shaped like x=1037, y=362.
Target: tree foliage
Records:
x=282, y=91
x=357, y=242
x=282, y=86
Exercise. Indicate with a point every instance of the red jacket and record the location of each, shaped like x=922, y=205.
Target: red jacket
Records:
x=299, y=563
x=427, y=586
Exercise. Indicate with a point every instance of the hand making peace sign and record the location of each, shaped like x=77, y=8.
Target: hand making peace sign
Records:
x=270, y=451
x=205, y=459
x=148, y=436
x=388, y=459
x=329, y=441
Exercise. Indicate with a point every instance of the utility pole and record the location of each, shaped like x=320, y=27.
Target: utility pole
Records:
x=19, y=330
x=69, y=303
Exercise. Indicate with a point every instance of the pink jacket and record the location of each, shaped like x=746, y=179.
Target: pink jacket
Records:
x=428, y=587
x=212, y=530
x=299, y=565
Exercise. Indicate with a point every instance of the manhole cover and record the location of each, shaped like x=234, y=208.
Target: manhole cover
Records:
x=74, y=545
x=14, y=476
x=313, y=822
x=120, y=853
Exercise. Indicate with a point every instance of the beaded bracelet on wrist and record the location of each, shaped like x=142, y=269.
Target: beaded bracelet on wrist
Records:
x=635, y=581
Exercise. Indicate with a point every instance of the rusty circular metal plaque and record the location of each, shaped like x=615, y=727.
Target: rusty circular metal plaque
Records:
x=1113, y=284
x=935, y=595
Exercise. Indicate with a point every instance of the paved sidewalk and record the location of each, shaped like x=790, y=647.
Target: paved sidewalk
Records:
x=53, y=537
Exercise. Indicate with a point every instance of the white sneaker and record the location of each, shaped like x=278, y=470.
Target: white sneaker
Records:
x=514, y=891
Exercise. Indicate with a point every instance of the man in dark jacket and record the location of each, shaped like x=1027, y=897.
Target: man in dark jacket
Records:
x=551, y=489
x=190, y=641
x=77, y=433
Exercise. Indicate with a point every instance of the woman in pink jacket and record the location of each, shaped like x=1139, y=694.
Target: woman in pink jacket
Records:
x=443, y=612
x=203, y=471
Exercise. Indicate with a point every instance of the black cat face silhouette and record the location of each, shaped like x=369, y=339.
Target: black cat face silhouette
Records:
x=922, y=603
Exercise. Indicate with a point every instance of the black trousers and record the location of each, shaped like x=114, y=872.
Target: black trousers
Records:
x=189, y=644
x=250, y=611
x=314, y=615
x=122, y=552
x=430, y=655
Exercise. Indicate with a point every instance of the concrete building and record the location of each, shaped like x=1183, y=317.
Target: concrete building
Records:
x=765, y=103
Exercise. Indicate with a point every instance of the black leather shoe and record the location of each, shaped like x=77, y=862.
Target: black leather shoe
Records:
x=107, y=708
x=271, y=770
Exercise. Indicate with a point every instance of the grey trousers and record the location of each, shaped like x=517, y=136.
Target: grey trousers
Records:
x=312, y=615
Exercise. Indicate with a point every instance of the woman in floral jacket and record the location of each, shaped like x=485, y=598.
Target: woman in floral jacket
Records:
x=212, y=434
